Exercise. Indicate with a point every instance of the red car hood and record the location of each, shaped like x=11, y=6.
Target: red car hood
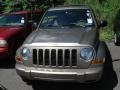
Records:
x=7, y=31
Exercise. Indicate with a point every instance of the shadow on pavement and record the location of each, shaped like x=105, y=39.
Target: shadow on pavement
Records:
x=116, y=60
x=108, y=82
x=7, y=63
x=2, y=87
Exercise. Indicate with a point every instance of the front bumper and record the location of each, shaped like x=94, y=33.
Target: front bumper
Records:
x=77, y=75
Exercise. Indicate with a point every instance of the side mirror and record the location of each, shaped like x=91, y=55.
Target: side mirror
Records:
x=34, y=25
x=102, y=23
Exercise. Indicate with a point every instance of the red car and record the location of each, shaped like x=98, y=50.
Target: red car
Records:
x=14, y=28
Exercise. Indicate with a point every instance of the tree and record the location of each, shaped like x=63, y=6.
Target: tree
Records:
x=8, y=5
x=49, y=3
x=101, y=1
x=13, y=5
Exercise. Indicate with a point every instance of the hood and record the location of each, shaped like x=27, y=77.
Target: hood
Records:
x=7, y=31
x=78, y=35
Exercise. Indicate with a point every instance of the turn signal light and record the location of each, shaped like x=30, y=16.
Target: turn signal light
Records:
x=19, y=59
x=97, y=61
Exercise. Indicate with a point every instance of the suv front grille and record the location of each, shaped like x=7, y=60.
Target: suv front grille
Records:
x=55, y=57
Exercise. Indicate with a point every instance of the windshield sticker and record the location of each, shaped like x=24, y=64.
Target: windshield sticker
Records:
x=88, y=11
x=22, y=20
x=89, y=20
x=88, y=15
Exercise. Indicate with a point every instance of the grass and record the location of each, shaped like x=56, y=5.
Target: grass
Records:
x=106, y=35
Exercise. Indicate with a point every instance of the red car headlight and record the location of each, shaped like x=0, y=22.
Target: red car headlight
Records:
x=3, y=43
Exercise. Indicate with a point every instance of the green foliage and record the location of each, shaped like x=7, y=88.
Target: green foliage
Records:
x=105, y=10
x=13, y=5
x=49, y=3
x=9, y=5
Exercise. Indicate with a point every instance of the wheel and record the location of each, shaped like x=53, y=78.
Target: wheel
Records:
x=116, y=40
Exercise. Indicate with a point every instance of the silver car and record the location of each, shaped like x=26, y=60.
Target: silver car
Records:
x=65, y=47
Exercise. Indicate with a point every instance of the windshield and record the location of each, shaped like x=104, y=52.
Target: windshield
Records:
x=12, y=19
x=69, y=17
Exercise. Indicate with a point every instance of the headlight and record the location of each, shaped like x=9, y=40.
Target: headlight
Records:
x=25, y=52
x=3, y=43
x=87, y=54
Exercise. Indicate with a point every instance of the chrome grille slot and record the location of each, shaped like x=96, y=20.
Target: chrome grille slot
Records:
x=55, y=57
x=67, y=57
x=74, y=57
x=40, y=57
x=34, y=56
x=60, y=57
x=46, y=56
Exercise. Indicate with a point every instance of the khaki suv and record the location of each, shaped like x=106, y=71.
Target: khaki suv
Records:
x=65, y=47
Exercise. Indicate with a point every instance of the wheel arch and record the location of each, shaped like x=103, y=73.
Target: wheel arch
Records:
x=101, y=51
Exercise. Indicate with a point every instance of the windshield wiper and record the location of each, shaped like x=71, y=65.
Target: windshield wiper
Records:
x=75, y=25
